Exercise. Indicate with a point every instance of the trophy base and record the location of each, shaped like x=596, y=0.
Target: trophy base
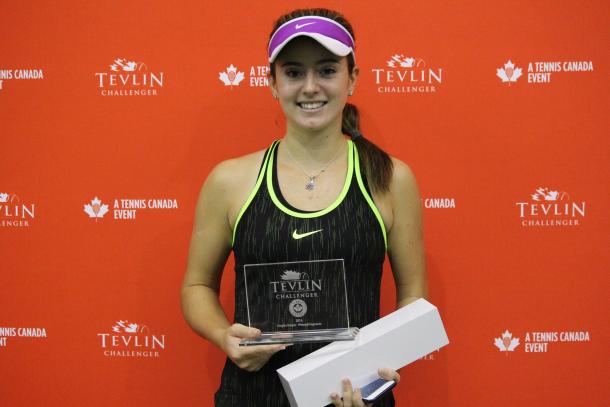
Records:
x=322, y=335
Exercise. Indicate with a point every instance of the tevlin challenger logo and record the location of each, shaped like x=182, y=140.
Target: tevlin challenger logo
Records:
x=232, y=76
x=550, y=207
x=126, y=209
x=407, y=75
x=294, y=285
x=540, y=72
x=14, y=213
x=129, y=78
x=130, y=339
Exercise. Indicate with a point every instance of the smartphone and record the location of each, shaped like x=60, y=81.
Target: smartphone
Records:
x=372, y=391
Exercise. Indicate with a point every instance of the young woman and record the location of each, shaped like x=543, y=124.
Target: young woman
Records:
x=321, y=192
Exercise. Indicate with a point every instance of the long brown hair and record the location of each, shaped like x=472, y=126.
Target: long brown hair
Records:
x=376, y=163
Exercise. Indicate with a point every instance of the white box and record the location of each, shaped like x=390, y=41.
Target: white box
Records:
x=393, y=341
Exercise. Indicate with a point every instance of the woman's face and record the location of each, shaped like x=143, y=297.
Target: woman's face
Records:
x=312, y=84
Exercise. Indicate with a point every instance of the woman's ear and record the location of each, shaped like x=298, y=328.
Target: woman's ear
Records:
x=272, y=85
x=353, y=78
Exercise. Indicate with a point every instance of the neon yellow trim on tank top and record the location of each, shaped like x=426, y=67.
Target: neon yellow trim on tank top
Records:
x=370, y=200
x=348, y=178
x=259, y=181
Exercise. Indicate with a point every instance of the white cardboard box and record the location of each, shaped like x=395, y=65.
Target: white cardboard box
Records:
x=393, y=341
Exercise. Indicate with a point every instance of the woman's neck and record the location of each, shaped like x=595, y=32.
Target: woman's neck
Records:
x=313, y=148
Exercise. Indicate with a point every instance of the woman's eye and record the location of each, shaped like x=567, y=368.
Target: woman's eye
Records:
x=293, y=73
x=328, y=71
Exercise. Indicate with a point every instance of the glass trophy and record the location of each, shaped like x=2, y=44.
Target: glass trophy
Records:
x=297, y=302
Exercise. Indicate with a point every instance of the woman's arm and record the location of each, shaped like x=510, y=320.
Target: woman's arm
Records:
x=209, y=248
x=208, y=252
x=401, y=211
x=405, y=238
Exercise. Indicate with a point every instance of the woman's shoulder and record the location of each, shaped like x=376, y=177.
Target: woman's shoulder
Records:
x=402, y=174
x=232, y=179
x=403, y=185
x=238, y=167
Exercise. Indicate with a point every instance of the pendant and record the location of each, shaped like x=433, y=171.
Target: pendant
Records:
x=311, y=184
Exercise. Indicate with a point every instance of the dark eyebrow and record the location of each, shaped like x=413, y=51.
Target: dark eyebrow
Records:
x=320, y=62
x=323, y=61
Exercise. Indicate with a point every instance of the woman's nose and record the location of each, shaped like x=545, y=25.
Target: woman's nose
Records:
x=311, y=83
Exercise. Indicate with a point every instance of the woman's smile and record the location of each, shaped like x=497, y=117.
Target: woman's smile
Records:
x=311, y=106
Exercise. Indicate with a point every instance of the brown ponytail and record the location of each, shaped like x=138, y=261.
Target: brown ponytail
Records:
x=375, y=162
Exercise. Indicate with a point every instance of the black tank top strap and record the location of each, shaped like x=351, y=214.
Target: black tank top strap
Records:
x=259, y=180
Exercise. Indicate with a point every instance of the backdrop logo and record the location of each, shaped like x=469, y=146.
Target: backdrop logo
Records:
x=127, y=209
x=439, y=203
x=509, y=73
x=506, y=343
x=129, y=78
x=538, y=341
x=96, y=209
x=550, y=207
x=407, y=75
x=19, y=74
x=231, y=77
x=14, y=213
x=542, y=72
x=258, y=76
x=8, y=332
x=128, y=327
x=429, y=356
x=130, y=339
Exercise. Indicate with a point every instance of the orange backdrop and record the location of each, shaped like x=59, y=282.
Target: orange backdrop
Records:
x=113, y=113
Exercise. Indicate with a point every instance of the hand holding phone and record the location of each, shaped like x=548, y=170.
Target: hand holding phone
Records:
x=374, y=390
x=370, y=393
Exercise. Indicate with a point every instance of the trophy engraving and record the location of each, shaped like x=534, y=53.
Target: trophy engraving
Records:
x=302, y=301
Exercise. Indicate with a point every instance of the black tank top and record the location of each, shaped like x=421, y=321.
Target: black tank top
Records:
x=351, y=229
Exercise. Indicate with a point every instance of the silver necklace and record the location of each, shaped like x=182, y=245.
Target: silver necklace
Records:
x=311, y=184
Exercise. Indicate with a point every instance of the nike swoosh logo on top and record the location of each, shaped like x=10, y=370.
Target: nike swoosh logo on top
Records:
x=296, y=235
x=299, y=26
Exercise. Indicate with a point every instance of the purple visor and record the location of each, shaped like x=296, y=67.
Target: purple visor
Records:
x=330, y=34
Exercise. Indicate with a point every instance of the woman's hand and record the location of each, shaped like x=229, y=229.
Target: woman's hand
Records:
x=250, y=358
x=353, y=398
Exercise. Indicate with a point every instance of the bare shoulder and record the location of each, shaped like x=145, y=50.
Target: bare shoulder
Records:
x=405, y=240
x=233, y=172
x=232, y=180
x=404, y=194
x=402, y=177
